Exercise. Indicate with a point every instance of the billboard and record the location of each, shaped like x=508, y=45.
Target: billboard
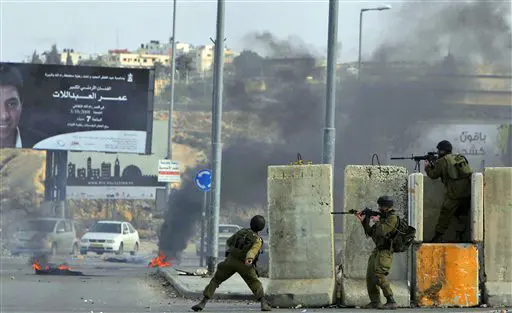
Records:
x=113, y=177
x=76, y=108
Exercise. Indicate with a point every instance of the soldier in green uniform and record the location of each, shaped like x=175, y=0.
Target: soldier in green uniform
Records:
x=455, y=173
x=379, y=264
x=244, y=248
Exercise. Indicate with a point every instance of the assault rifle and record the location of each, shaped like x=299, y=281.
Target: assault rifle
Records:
x=366, y=212
x=431, y=157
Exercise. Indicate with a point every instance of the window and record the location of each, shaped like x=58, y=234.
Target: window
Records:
x=125, y=229
x=132, y=230
x=67, y=226
x=60, y=226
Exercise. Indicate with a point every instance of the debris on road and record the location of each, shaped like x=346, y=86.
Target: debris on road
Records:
x=124, y=259
x=52, y=269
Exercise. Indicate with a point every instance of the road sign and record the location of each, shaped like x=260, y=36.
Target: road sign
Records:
x=168, y=171
x=204, y=180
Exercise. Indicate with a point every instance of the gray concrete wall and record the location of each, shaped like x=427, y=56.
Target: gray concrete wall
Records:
x=302, y=269
x=363, y=185
x=498, y=234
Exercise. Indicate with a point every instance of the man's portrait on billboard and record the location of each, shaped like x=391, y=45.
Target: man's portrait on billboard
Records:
x=11, y=105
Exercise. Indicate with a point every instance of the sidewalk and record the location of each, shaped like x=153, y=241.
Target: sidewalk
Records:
x=193, y=286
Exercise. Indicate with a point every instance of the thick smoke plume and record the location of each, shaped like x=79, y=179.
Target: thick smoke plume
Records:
x=377, y=114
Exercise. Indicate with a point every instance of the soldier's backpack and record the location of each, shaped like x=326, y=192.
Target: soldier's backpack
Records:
x=403, y=236
x=243, y=241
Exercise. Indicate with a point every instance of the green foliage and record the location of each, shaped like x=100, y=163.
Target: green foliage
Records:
x=52, y=56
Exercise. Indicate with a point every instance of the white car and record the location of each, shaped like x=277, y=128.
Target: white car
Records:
x=110, y=237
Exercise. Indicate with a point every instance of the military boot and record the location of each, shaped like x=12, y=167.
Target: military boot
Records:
x=390, y=304
x=200, y=306
x=265, y=306
x=373, y=305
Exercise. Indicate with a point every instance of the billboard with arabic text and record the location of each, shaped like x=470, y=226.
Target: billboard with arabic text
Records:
x=76, y=108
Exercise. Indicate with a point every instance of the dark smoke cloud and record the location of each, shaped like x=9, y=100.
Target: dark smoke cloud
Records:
x=377, y=115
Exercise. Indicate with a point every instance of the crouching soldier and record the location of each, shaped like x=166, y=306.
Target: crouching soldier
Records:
x=379, y=264
x=243, y=250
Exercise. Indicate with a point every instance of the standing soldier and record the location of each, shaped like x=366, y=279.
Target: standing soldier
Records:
x=381, y=258
x=243, y=250
x=455, y=173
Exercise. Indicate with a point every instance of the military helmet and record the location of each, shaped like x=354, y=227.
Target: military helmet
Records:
x=385, y=201
x=444, y=145
x=257, y=223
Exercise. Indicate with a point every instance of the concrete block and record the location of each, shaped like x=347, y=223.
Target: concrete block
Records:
x=363, y=185
x=415, y=204
x=498, y=237
x=302, y=269
x=447, y=275
x=477, y=208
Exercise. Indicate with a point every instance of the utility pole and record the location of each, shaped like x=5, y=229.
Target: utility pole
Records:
x=330, y=107
x=216, y=138
x=170, y=130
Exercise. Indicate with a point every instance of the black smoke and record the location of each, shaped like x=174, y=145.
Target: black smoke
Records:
x=406, y=82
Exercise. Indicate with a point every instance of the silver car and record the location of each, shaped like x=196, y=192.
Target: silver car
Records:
x=46, y=235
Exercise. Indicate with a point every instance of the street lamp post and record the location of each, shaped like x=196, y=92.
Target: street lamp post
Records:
x=171, y=102
x=382, y=8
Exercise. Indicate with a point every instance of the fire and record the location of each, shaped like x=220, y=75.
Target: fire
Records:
x=159, y=261
x=36, y=266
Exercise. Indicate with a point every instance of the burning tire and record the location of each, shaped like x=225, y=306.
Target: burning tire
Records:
x=135, y=249
x=120, y=250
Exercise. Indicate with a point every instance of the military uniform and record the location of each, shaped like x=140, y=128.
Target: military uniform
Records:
x=381, y=258
x=244, y=245
x=457, y=199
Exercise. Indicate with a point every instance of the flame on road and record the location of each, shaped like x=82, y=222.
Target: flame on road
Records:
x=159, y=261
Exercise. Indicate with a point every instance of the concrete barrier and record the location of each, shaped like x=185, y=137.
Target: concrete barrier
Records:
x=447, y=275
x=415, y=204
x=498, y=237
x=302, y=267
x=477, y=208
x=363, y=185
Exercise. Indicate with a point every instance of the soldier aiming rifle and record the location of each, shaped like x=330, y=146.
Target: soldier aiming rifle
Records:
x=431, y=157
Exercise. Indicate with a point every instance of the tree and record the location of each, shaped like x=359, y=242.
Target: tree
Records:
x=69, y=60
x=52, y=56
x=184, y=64
x=35, y=58
x=248, y=64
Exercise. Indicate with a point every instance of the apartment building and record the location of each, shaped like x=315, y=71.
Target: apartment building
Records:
x=125, y=58
x=204, y=57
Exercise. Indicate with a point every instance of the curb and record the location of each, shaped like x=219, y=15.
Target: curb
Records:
x=186, y=293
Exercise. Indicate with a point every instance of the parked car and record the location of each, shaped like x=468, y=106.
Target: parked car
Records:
x=110, y=237
x=225, y=231
x=46, y=235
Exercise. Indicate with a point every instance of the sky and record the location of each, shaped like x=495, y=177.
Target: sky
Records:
x=97, y=26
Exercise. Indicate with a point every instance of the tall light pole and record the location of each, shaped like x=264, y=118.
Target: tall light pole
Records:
x=171, y=102
x=382, y=8
x=330, y=107
x=216, y=138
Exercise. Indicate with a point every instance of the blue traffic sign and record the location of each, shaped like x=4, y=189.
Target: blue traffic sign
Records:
x=204, y=180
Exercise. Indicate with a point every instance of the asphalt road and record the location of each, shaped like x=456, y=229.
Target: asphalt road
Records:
x=111, y=288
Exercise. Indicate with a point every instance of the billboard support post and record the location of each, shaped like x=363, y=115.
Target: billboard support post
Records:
x=55, y=183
